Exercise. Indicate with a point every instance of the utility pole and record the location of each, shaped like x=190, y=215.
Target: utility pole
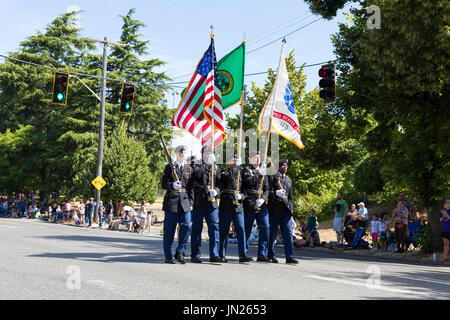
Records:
x=105, y=43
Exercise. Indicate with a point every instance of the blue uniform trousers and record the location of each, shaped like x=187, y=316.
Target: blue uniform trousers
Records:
x=211, y=216
x=224, y=227
x=262, y=219
x=170, y=225
x=286, y=231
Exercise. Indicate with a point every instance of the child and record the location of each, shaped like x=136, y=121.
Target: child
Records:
x=374, y=232
x=312, y=228
x=383, y=227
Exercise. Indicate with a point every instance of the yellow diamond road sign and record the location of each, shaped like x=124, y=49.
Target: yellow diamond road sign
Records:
x=98, y=182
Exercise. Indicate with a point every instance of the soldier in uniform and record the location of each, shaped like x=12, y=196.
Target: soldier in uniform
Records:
x=231, y=209
x=255, y=207
x=177, y=207
x=281, y=209
x=205, y=206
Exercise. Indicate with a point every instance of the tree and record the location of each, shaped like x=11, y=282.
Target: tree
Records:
x=125, y=170
x=65, y=138
x=395, y=81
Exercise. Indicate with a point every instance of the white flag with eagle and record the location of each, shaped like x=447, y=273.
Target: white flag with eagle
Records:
x=278, y=115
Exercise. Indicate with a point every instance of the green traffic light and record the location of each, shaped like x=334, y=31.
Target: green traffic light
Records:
x=60, y=96
x=127, y=106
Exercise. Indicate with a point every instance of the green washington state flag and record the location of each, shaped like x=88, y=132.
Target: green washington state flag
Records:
x=230, y=74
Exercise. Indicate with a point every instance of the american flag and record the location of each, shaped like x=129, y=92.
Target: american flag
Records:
x=202, y=102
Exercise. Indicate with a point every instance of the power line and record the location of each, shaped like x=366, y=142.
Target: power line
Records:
x=70, y=72
x=302, y=27
x=263, y=72
x=58, y=70
x=265, y=45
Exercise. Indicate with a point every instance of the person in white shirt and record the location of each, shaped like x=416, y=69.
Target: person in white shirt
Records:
x=145, y=219
x=383, y=227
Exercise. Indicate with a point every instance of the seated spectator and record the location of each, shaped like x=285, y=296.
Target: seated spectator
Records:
x=116, y=222
x=361, y=216
x=135, y=225
x=313, y=234
x=75, y=217
x=351, y=214
x=58, y=214
x=44, y=215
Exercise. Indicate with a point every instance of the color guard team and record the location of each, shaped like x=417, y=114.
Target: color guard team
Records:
x=245, y=195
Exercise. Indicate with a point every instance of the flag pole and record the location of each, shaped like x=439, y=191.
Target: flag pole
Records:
x=270, y=122
x=212, y=118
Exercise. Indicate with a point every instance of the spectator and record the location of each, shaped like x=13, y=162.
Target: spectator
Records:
x=445, y=219
x=383, y=228
x=313, y=234
x=67, y=209
x=361, y=216
x=109, y=213
x=408, y=204
x=351, y=214
x=21, y=208
x=401, y=214
x=5, y=208
x=81, y=212
x=127, y=220
x=115, y=222
x=75, y=217
x=90, y=206
x=101, y=214
x=58, y=213
x=374, y=227
x=301, y=235
x=145, y=217
x=136, y=224
x=340, y=210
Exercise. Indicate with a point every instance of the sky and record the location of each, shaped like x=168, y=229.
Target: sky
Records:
x=179, y=33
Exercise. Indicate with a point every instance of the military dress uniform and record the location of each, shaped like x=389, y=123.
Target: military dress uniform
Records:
x=280, y=213
x=203, y=208
x=231, y=211
x=251, y=180
x=177, y=210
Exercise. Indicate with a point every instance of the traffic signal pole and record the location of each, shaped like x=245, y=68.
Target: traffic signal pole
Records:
x=105, y=43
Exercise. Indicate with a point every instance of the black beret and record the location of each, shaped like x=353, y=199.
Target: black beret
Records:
x=180, y=148
x=206, y=149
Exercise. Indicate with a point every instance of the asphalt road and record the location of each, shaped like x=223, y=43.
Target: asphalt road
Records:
x=46, y=261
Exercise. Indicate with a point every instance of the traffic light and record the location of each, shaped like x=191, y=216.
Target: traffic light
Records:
x=60, y=88
x=126, y=102
x=327, y=83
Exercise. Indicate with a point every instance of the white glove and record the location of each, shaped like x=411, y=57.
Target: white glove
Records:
x=212, y=193
x=262, y=170
x=237, y=196
x=238, y=162
x=281, y=193
x=259, y=202
x=211, y=159
x=176, y=185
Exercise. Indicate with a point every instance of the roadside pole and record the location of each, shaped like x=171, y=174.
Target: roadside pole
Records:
x=105, y=43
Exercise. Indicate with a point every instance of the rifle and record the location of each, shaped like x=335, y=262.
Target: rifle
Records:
x=277, y=179
x=169, y=160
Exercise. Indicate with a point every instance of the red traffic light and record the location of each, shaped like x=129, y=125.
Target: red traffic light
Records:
x=325, y=72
